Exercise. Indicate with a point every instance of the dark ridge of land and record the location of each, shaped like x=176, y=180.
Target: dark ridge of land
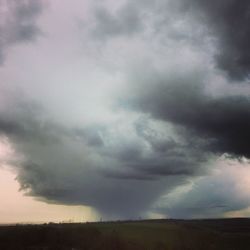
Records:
x=205, y=234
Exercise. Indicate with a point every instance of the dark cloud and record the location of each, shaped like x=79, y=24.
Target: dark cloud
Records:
x=228, y=21
x=122, y=166
x=88, y=166
x=27, y=121
x=125, y=21
x=90, y=135
x=119, y=179
x=18, y=23
x=221, y=123
x=209, y=196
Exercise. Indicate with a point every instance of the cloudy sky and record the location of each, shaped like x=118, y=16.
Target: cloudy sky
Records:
x=124, y=109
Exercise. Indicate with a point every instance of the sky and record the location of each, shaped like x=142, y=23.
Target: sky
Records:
x=124, y=109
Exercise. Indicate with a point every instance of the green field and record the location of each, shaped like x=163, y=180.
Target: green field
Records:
x=154, y=234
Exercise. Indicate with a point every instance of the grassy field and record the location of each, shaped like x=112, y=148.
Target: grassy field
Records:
x=228, y=234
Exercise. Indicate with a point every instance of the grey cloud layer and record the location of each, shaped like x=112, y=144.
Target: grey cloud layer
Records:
x=226, y=21
x=212, y=196
x=18, y=23
x=125, y=21
x=171, y=128
x=222, y=121
x=229, y=22
x=91, y=166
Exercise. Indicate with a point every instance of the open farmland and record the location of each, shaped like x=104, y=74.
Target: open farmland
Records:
x=154, y=234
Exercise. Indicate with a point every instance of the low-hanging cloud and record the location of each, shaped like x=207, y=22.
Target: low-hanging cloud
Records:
x=120, y=178
x=225, y=189
x=166, y=125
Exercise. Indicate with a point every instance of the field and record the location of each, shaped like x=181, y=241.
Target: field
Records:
x=228, y=234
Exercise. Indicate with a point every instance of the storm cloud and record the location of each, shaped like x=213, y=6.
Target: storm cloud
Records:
x=228, y=21
x=82, y=166
x=222, y=121
x=125, y=21
x=125, y=107
x=223, y=190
